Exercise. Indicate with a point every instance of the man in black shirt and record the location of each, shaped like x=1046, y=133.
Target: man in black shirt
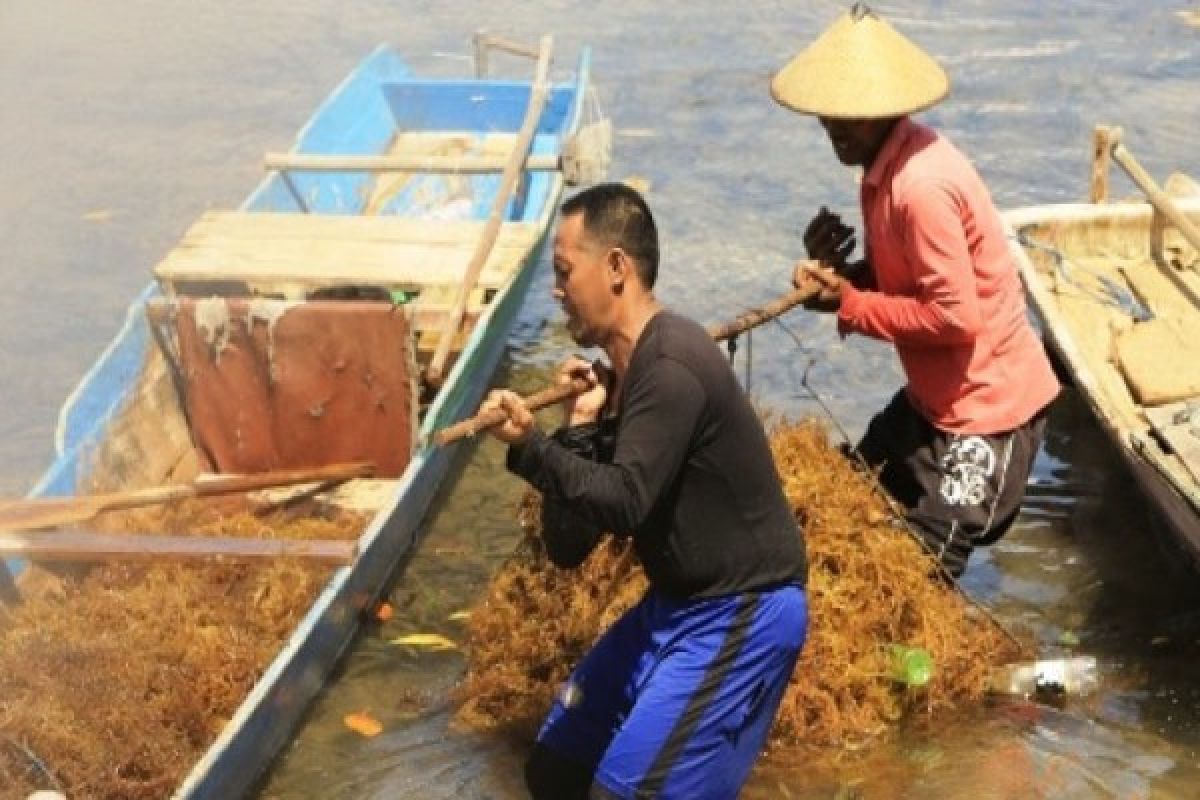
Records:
x=676, y=699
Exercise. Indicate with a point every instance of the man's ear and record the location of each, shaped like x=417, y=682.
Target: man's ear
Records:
x=618, y=264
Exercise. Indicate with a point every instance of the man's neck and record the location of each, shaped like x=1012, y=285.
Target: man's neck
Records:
x=628, y=331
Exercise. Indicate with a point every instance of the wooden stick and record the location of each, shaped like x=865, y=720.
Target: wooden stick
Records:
x=9, y=593
x=1158, y=198
x=489, y=419
x=556, y=394
x=435, y=372
x=49, y=512
x=1103, y=139
x=1164, y=207
x=84, y=546
x=757, y=316
x=492, y=42
x=451, y=165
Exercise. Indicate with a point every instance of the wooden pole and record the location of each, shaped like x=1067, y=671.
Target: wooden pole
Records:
x=490, y=42
x=556, y=394
x=85, y=546
x=435, y=372
x=757, y=316
x=489, y=419
x=480, y=43
x=9, y=594
x=1103, y=139
x=451, y=165
x=49, y=512
x=1158, y=198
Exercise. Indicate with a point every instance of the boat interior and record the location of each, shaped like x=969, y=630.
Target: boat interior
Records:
x=298, y=329
x=1126, y=288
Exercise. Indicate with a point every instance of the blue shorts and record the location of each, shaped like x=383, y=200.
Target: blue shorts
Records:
x=677, y=698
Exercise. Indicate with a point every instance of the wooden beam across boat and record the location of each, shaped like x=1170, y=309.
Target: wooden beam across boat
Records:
x=448, y=165
x=311, y=251
x=87, y=546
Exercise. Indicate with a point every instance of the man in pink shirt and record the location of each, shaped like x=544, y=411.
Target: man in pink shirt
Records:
x=956, y=445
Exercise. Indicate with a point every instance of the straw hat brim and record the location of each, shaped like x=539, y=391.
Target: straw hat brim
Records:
x=860, y=68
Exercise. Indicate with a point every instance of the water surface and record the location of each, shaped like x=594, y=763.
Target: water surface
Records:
x=126, y=121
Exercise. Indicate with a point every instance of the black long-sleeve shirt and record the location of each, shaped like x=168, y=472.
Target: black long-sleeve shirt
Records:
x=690, y=475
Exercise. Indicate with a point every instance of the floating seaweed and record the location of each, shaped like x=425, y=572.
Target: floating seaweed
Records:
x=870, y=586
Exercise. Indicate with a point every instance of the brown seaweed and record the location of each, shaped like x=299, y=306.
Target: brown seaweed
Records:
x=870, y=585
x=117, y=679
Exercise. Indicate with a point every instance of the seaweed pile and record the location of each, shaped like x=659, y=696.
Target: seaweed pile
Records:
x=870, y=586
x=114, y=680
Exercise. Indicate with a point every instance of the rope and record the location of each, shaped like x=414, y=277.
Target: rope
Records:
x=1112, y=294
x=34, y=760
x=849, y=449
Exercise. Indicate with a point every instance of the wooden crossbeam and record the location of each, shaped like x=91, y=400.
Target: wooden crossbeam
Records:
x=84, y=546
x=447, y=165
x=315, y=251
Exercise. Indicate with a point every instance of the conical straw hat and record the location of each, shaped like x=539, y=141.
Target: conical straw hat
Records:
x=860, y=68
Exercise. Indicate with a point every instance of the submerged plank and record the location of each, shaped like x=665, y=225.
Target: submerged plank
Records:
x=84, y=546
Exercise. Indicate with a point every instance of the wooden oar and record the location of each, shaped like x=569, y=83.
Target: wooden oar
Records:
x=556, y=394
x=50, y=512
x=435, y=372
x=1158, y=198
x=1163, y=203
x=86, y=546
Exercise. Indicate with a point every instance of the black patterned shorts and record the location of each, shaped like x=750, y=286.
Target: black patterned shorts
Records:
x=959, y=490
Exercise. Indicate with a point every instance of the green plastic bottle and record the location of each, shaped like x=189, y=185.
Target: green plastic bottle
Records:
x=912, y=666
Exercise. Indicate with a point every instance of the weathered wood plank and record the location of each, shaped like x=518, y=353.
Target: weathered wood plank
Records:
x=409, y=267
x=261, y=225
x=313, y=251
x=447, y=165
x=84, y=546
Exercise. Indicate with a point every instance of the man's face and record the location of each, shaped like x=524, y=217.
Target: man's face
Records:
x=582, y=282
x=856, y=141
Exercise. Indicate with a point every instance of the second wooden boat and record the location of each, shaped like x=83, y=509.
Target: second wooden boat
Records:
x=1117, y=289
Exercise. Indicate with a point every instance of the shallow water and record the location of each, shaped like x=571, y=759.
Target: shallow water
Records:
x=125, y=121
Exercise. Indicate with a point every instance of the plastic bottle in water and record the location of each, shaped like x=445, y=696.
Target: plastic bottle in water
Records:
x=1049, y=679
x=912, y=666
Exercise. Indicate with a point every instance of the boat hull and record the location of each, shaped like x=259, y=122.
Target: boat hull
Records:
x=268, y=716
x=1171, y=491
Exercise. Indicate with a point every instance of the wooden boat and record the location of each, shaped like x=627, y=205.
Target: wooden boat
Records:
x=1117, y=289
x=355, y=252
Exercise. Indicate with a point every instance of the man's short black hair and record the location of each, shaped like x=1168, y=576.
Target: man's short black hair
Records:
x=616, y=215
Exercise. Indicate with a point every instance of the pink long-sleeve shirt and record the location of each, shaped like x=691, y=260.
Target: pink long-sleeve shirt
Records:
x=946, y=293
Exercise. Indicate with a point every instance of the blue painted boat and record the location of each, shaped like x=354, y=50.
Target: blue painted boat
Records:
x=362, y=223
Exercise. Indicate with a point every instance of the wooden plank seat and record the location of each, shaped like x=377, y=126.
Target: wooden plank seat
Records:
x=1158, y=359
x=289, y=252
